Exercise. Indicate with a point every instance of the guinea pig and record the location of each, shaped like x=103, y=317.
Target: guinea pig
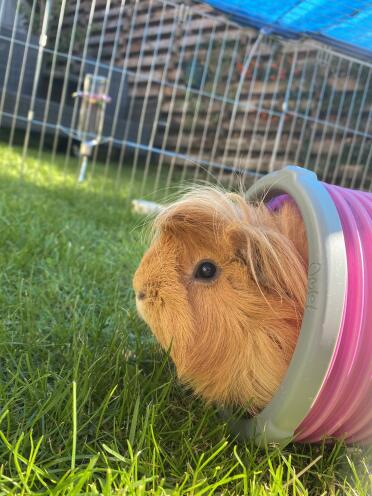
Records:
x=222, y=287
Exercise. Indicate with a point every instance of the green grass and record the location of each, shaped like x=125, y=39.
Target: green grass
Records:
x=88, y=403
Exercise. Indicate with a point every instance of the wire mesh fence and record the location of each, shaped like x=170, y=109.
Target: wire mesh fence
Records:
x=193, y=95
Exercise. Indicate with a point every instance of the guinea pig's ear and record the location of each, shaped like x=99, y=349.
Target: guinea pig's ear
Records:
x=188, y=220
x=271, y=260
x=172, y=223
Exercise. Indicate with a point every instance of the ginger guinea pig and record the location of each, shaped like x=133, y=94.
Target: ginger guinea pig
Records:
x=223, y=287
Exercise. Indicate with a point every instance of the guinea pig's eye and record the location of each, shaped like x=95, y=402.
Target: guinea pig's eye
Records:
x=205, y=270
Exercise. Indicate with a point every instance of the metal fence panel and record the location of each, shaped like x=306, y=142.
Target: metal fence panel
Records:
x=193, y=95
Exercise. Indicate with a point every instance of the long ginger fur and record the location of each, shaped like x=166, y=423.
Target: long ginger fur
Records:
x=231, y=339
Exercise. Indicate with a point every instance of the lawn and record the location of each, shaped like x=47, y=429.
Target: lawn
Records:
x=88, y=402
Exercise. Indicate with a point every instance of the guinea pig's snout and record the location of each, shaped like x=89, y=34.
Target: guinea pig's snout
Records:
x=147, y=293
x=143, y=288
x=138, y=286
x=146, y=283
x=140, y=291
x=141, y=295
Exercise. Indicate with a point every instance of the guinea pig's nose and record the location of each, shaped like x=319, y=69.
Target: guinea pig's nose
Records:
x=141, y=295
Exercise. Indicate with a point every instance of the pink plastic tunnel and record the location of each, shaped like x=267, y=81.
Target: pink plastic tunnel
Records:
x=343, y=407
x=327, y=390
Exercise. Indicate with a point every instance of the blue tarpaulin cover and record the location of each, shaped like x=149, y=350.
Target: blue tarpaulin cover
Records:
x=346, y=23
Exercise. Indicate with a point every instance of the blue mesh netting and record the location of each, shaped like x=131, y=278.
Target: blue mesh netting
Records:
x=347, y=23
